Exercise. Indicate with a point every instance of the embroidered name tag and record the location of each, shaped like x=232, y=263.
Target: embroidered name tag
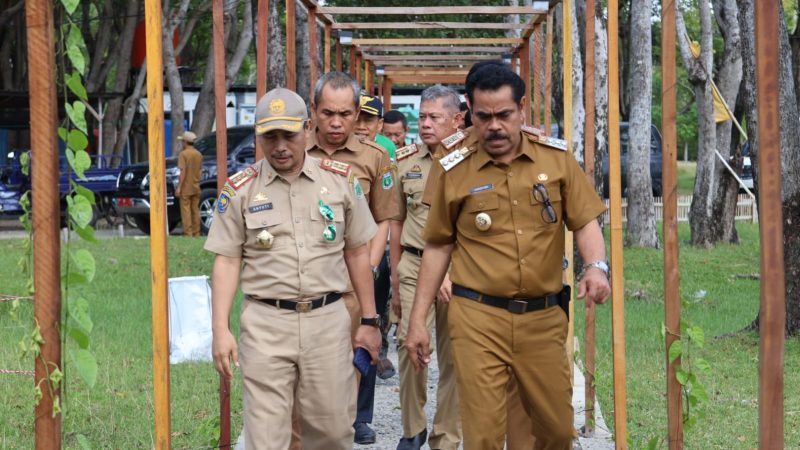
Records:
x=413, y=176
x=485, y=187
x=259, y=208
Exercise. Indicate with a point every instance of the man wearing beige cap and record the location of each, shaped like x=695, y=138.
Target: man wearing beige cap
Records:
x=292, y=227
x=190, y=162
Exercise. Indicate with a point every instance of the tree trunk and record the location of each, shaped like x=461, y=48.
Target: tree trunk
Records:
x=557, y=78
x=303, y=61
x=174, y=18
x=276, y=69
x=701, y=219
x=129, y=110
x=790, y=153
x=600, y=95
x=641, y=211
x=624, y=50
x=578, y=106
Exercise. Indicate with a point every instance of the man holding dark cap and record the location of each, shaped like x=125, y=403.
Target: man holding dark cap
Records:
x=292, y=227
x=190, y=163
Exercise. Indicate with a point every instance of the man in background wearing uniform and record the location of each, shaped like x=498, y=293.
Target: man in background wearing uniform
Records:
x=395, y=127
x=438, y=119
x=288, y=225
x=505, y=200
x=335, y=110
x=190, y=162
x=370, y=122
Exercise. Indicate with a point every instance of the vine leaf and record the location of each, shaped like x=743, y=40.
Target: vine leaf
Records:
x=70, y=5
x=79, y=316
x=82, y=163
x=77, y=140
x=85, y=365
x=86, y=233
x=675, y=350
x=75, y=47
x=682, y=376
x=77, y=114
x=80, y=210
x=697, y=335
x=83, y=262
x=702, y=366
x=83, y=192
x=75, y=85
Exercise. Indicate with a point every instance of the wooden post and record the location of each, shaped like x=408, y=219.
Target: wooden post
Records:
x=772, y=316
x=368, y=77
x=669, y=164
x=537, y=75
x=312, y=46
x=291, y=53
x=339, y=56
x=45, y=216
x=566, y=14
x=158, y=223
x=387, y=94
x=220, y=89
x=525, y=73
x=353, y=65
x=590, y=351
x=261, y=49
x=326, y=59
x=615, y=200
x=359, y=58
x=548, y=74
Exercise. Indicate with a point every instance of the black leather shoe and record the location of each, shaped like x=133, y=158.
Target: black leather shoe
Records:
x=364, y=434
x=414, y=443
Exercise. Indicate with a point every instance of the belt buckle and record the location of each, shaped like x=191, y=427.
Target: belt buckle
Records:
x=304, y=306
x=518, y=306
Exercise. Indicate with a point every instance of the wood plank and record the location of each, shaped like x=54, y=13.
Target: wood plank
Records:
x=220, y=89
x=291, y=53
x=566, y=77
x=772, y=315
x=419, y=25
x=525, y=73
x=615, y=198
x=435, y=49
x=463, y=63
x=537, y=76
x=429, y=79
x=426, y=10
x=387, y=94
x=390, y=58
x=351, y=67
x=368, y=76
x=548, y=75
x=438, y=41
x=261, y=48
x=326, y=58
x=391, y=73
x=312, y=46
x=669, y=164
x=339, y=56
x=45, y=215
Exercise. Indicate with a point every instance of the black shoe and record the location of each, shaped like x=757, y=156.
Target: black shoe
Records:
x=364, y=434
x=385, y=369
x=414, y=443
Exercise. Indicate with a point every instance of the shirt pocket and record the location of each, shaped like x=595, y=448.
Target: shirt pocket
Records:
x=317, y=226
x=541, y=218
x=412, y=191
x=275, y=222
x=484, y=203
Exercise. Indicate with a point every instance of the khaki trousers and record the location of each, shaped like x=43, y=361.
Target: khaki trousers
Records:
x=282, y=351
x=446, y=432
x=190, y=214
x=486, y=342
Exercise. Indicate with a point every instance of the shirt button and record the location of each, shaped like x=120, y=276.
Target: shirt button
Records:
x=300, y=245
x=510, y=174
x=296, y=220
x=294, y=195
x=480, y=205
x=515, y=202
x=523, y=290
x=522, y=261
x=264, y=222
x=519, y=231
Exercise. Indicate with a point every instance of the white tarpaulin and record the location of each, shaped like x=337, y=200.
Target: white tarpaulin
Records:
x=189, y=319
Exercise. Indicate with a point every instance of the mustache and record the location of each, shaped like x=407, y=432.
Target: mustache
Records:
x=496, y=136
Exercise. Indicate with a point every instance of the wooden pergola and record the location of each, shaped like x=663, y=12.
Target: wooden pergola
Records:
x=425, y=61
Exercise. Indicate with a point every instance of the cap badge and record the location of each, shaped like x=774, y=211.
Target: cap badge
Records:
x=277, y=106
x=542, y=177
x=416, y=168
x=260, y=197
x=483, y=221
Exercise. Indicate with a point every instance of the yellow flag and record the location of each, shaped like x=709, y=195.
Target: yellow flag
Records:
x=721, y=112
x=694, y=46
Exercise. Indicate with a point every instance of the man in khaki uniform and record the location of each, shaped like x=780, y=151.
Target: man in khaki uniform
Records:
x=438, y=118
x=504, y=201
x=335, y=109
x=293, y=226
x=190, y=162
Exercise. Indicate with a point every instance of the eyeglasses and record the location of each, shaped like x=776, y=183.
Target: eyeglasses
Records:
x=329, y=233
x=541, y=196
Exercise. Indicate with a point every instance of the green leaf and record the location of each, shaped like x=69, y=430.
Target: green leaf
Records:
x=702, y=366
x=79, y=336
x=70, y=5
x=690, y=422
x=83, y=442
x=77, y=140
x=56, y=376
x=75, y=84
x=697, y=335
x=63, y=133
x=663, y=331
x=78, y=309
x=87, y=234
x=75, y=48
x=692, y=399
x=70, y=157
x=85, y=365
x=682, y=376
x=675, y=350
x=25, y=163
x=83, y=192
x=700, y=392
x=82, y=163
x=83, y=262
x=80, y=210
x=77, y=114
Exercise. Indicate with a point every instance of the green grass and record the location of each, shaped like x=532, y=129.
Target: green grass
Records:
x=730, y=303
x=118, y=412
x=686, y=174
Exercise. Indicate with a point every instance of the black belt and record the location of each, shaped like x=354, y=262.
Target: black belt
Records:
x=514, y=305
x=300, y=306
x=412, y=250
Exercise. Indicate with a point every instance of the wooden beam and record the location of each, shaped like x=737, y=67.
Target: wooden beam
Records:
x=525, y=73
x=419, y=25
x=261, y=50
x=427, y=10
x=158, y=224
x=566, y=78
x=429, y=79
x=339, y=56
x=312, y=45
x=359, y=59
x=462, y=63
x=615, y=200
x=537, y=76
x=772, y=315
x=291, y=53
x=45, y=215
x=438, y=41
x=391, y=58
x=326, y=58
x=407, y=71
x=435, y=49
x=220, y=88
x=387, y=94
x=548, y=75
x=352, y=66
x=368, y=76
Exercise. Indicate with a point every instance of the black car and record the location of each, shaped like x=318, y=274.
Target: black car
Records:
x=133, y=188
x=655, y=160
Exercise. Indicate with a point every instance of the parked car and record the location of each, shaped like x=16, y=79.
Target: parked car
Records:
x=133, y=185
x=747, y=168
x=655, y=160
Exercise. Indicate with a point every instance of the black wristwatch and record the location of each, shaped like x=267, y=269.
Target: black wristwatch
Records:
x=371, y=321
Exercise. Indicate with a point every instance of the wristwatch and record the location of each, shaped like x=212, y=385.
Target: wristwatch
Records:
x=602, y=265
x=376, y=272
x=371, y=321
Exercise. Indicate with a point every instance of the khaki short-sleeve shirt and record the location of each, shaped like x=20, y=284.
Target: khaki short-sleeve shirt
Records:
x=520, y=254
x=470, y=138
x=300, y=264
x=372, y=166
x=190, y=161
x=412, y=176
